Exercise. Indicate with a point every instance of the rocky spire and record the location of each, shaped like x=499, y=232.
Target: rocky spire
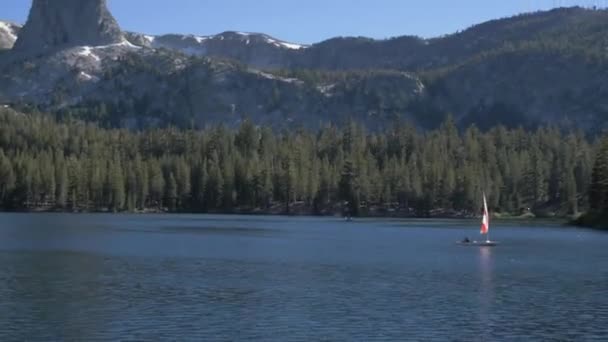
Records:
x=64, y=23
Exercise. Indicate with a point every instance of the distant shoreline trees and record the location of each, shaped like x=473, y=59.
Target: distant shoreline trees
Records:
x=73, y=166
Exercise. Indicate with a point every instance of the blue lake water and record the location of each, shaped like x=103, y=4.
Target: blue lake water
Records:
x=233, y=278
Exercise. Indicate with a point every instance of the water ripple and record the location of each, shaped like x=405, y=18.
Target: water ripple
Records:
x=275, y=294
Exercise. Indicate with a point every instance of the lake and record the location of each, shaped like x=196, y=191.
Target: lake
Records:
x=231, y=278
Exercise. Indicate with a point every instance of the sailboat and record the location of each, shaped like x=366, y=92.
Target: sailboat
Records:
x=485, y=229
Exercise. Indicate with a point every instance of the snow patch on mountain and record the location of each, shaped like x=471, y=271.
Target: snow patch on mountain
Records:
x=150, y=39
x=87, y=51
x=293, y=46
x=275, y=77
x=90, y=51
x=85, y=77
x=283, y=44
x=197, y=43
x=326, y=89
x=268, y=40
x=200, y=39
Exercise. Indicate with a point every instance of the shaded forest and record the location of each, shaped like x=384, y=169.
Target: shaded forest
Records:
x=76, y=166
x=597, y=213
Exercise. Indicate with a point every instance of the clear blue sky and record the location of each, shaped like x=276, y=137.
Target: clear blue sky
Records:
x=308, y=21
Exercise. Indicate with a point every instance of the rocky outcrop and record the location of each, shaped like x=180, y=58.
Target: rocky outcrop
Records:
x=8, y=34
x=54, y=24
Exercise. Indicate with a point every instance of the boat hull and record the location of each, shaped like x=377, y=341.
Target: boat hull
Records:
x=479, y=243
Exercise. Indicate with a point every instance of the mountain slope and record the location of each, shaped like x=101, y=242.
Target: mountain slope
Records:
x=126, y=87
x=541, y=68
x=525, y=87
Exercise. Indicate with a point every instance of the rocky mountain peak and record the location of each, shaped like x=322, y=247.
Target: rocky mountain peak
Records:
x=65, y=23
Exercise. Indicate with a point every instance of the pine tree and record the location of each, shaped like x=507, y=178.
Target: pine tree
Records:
x=75, y=179
x=183, y=179
x=131, y=189
x=571, y=192
x=157, y=183
x=267, y=187
x=215, y=184
x=117, y=186
x=287, y=182
x=46, y=171
x=7, y=179
x=142, y=182
x=96, y=184
x=63, y=184
x=228, y=191
x=349, y=191
x=598, y=190
x=200, y=186
x=171, y=192
x=312, y=183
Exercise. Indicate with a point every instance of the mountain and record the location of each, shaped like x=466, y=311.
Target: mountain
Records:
x=533, y=69
x=64, y=43
x=577, y=27
x=574, y=26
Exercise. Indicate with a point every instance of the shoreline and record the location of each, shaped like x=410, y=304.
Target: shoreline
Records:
x=567, y=220
x=591, y=221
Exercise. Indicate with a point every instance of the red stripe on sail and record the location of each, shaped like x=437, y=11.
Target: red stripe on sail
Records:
x=484, y=227
x=485, y=221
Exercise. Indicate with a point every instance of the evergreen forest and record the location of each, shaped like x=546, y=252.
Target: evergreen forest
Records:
x=46, y=164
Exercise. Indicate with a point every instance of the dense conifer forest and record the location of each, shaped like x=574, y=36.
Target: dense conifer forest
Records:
x=74, y=166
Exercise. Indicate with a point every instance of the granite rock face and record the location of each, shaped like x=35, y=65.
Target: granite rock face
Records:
x=54, y=24
x=8, y=34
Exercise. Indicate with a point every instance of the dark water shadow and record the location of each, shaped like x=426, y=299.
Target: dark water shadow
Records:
x=220, y=230
x=203, y=230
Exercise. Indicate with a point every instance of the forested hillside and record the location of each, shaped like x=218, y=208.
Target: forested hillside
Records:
x=48, y=165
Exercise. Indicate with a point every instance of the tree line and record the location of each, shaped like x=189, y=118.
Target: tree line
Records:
x=51, y=165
